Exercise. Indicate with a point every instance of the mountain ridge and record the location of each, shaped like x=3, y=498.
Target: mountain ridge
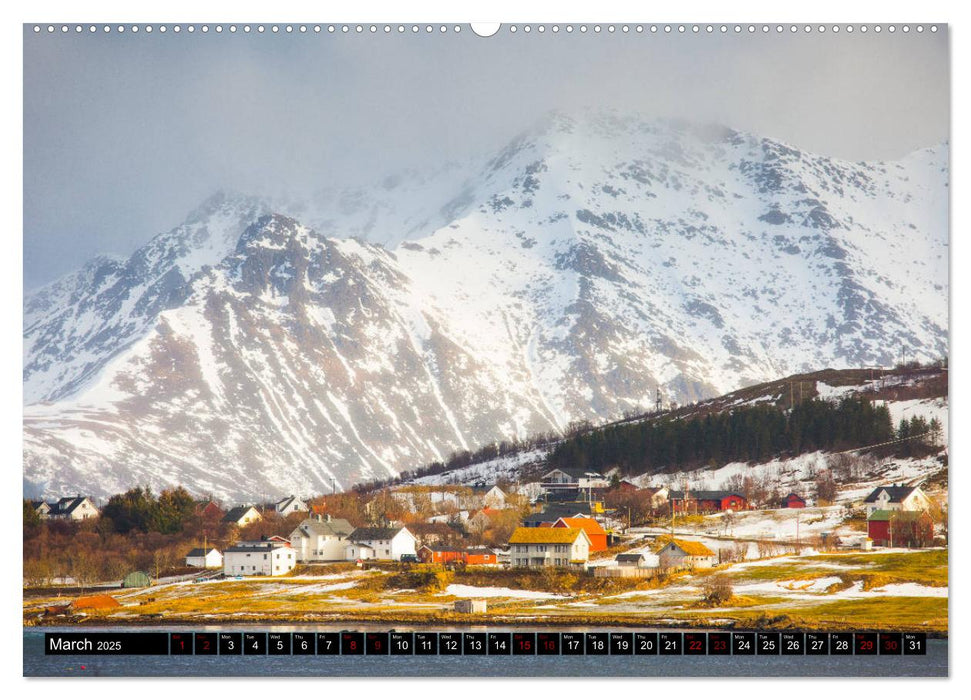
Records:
x=579, y=270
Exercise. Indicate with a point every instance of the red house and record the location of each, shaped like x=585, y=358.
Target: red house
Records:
x=209, y=510
x=706, y=501
x=479, y=556
x=596, y=533
x=793, y=501
x=900, y=528
x=440, y=554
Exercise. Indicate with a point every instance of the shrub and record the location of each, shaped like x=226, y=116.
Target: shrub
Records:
x=716, y=590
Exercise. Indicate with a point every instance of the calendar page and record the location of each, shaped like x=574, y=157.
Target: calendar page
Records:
x=524, y=349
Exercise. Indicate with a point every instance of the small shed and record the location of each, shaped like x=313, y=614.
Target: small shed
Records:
x=136, y=579
x=793, y=500
x=473, y=605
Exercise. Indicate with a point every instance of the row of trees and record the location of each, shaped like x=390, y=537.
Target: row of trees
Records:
x=752, y=433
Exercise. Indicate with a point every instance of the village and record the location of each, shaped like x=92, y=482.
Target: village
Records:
x=572, y=546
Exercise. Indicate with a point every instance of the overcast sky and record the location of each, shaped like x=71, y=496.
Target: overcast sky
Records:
x=125, y=134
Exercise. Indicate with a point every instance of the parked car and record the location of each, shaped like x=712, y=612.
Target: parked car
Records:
x=409, y=558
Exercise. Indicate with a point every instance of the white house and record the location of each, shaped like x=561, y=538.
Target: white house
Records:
x=259, y=558
x=685, y=554
x=204, y=559
x=321, y=538
x=290, y=504
x=532, y=490
x=380, y=543
x=490, y=496
x=242, y=515
x=549, y=546
x=568, y=477
x=896, y=497
x=69, y=508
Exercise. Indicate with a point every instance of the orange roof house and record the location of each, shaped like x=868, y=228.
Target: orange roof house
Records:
x=596, y=533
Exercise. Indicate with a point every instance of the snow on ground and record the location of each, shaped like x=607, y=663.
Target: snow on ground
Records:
x=780, y=524
x=463, y=591
x=507, y=467
x=928, y=408
x=794, y=590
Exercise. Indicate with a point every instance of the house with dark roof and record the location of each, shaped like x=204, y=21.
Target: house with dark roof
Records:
x=242, y=515
x=388, y=543
x=573, y=478
x=555, y=511
x=68, y=508
x=321, y=538
x=259, y=558
x=210, y=558
x=289, y=505
x=896, y=497
x=706, y=501
x=793, y=500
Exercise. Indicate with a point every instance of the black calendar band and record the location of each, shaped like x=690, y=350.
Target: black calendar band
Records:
x=502, y=643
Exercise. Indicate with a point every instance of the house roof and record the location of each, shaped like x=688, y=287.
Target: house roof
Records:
x=290, y=501
x=256, y=546
x=337, y=527
x=897, y=515
x=236, y=514
x=691, y=548
x=792, y=494
x=702, y=495
x=897, y=493
x=487, y=512
x=575, y=472
x=200, y=552
x=589, y=525
x=66, y=505
x=374, y=533
x=440, y=548
x=546, y=535
x=554, y=512
x=629, y=557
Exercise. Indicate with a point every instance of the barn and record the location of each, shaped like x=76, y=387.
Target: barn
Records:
x=793, y=501
x=889, y=528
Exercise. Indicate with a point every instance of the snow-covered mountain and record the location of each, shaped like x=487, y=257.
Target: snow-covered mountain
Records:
x=264, y=348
